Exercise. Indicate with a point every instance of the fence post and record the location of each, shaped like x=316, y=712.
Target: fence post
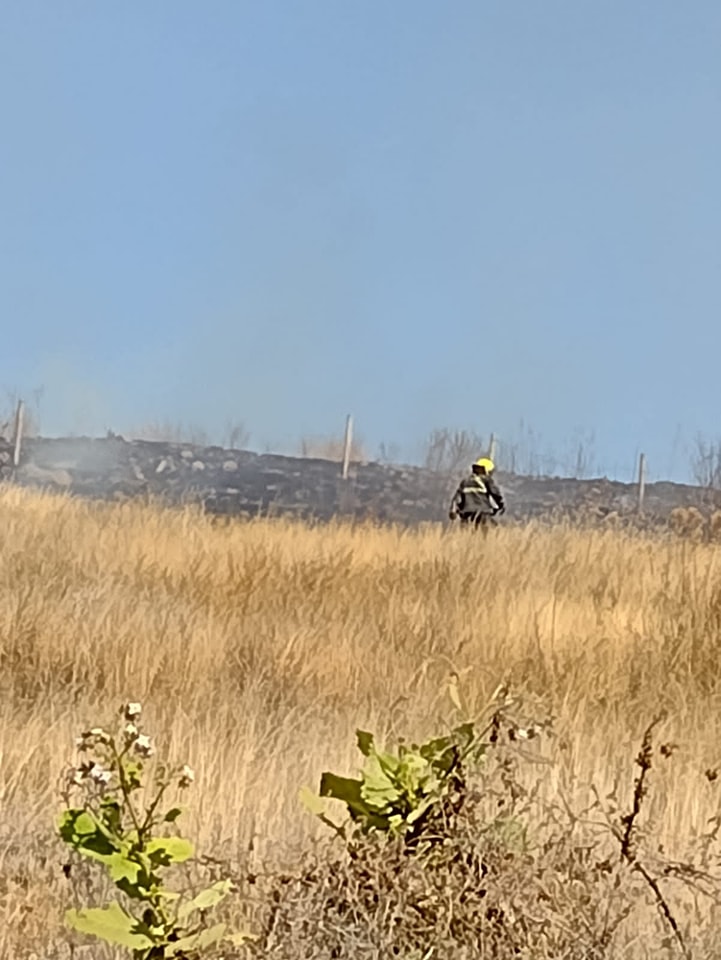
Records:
x=18, y=439
x=347, y=442
x=641, y=480
x=492, y=448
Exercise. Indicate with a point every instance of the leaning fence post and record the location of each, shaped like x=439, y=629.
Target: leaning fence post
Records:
x=641, y=480
x=18, y=439
x=347, y=442
x=492, y=448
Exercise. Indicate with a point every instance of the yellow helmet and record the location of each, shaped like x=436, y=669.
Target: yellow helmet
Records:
x=486, y=463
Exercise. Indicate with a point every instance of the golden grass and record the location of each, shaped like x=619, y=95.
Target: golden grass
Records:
x=257, y=648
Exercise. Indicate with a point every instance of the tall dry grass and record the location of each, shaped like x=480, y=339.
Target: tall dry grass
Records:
x=257, y=648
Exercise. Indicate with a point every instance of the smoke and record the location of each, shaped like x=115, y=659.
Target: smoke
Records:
x=71, y=402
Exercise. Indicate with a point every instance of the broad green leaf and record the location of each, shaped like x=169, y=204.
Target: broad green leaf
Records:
x=65, y=824
x=111, y=924
x=196, y=941
x=98, y=856
x=415, y=774
x=349, y=791
x=85, y=824
x=67, y=816
x=123, y=869
x=365, y=742
x=172, y=815
x=378, y=790
x=206, y=899
x=75, y=824
x=81, y=830
x=311, y=801
x=341, y=788
x=388, y=762
x=166, y=850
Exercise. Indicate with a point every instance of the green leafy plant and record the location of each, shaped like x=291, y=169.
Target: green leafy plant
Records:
x=398, y=792
x=114, y=816
x=414, y=791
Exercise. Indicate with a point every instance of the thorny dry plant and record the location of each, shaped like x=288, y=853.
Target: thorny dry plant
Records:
x=496, y=873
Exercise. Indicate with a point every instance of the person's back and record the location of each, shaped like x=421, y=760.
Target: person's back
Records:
x=473, y=495
x=478, y=496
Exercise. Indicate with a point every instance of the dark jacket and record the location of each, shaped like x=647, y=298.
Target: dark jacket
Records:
x=476, y=494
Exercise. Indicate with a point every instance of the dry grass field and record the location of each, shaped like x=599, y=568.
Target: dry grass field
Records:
x=257, y=648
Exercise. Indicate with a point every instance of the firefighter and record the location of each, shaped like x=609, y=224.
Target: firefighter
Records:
x=478, y=498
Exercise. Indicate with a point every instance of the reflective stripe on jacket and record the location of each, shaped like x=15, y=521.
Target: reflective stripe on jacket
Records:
x=476, y=494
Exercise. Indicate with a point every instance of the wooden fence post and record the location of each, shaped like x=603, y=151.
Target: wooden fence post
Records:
x=492, y=448
x=347, y=443
x=641, y=480
x=18, y=439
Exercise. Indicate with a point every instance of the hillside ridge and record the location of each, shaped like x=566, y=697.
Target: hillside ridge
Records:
x=241, y=482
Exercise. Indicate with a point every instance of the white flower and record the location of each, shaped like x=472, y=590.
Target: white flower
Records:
x=187, y=776
x=100, y=776
x=97, y=733
x=143, y=745
x=130, y=731
x=132, y=710
x=90, y=770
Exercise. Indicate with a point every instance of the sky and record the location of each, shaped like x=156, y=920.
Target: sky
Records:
x=496, y=216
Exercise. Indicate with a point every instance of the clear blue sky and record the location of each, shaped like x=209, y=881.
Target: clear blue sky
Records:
x=427, y=213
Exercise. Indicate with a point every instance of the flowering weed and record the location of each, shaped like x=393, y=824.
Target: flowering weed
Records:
x=116, y=816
